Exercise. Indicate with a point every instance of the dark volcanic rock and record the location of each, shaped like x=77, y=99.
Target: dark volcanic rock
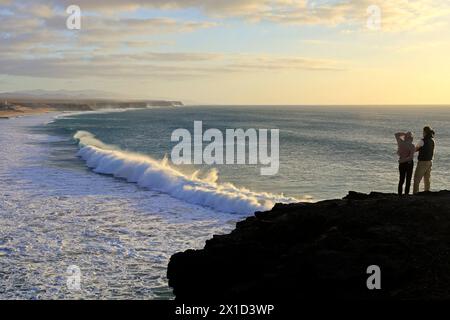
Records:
x=322, y=250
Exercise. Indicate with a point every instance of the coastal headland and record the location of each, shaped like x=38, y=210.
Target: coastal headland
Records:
x=364, y=246
x=20, y=106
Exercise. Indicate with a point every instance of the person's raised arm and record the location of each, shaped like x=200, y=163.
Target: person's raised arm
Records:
x=398, y=136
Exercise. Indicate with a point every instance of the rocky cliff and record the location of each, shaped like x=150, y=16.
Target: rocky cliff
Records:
x=323, y=250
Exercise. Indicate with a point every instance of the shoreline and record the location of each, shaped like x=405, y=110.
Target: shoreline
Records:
x=17, y=113
x=65, y=200
x=23, y=112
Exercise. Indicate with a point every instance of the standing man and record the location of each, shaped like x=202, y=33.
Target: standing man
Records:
x=425, y=147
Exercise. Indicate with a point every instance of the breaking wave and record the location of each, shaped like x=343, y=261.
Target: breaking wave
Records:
x=158, y=175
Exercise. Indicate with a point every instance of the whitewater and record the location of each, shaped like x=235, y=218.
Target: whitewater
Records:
x=95, y=191
x=160, y=176
x=55, y=213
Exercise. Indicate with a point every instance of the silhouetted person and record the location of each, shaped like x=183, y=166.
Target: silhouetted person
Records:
x=406, y=151
x=426, y=153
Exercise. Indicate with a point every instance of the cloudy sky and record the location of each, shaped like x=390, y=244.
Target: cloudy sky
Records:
x=233, y=51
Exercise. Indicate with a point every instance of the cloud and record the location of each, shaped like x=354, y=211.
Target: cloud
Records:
x=30, y=29
x=264, y=63
x=160, y=65
x=397, y=15
x=36, y=43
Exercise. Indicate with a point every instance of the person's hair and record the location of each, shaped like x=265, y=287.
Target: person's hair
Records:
x=409, y=137
x=429, y=132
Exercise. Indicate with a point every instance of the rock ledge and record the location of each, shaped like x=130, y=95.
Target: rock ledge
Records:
x=322, y=251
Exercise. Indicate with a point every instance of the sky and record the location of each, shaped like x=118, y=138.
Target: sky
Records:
x=232, y=51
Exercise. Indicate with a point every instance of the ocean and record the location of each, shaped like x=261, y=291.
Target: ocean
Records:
x=97, y=190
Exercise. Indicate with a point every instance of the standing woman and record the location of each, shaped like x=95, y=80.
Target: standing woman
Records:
x=426, y=153
x=406, y=151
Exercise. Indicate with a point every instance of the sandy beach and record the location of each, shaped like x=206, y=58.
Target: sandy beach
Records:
x=22, y=111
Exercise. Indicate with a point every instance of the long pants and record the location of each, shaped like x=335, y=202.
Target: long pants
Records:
x=423, y=170
x=406, y=172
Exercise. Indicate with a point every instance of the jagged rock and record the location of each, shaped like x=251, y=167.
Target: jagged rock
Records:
x=322, y=251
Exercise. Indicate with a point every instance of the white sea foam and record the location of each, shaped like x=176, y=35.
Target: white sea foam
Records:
x=69, y=114
x=84, y=219
x=160, y=176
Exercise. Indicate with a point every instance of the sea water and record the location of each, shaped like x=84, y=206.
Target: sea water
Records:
x=97, y=190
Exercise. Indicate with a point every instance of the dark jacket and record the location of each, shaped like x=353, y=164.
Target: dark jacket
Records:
x=426, y=153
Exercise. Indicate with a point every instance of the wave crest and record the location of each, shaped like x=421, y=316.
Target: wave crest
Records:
x=160, y=176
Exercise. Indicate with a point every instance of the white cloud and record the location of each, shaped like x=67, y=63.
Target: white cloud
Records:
x=159, y=65
x=397, y=15
x=35, y=42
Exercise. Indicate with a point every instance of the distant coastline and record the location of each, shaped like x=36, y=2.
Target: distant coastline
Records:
x=17, y=106
x=19, y=111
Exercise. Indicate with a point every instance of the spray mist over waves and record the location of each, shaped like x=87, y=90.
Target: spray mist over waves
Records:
x=160, y=176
